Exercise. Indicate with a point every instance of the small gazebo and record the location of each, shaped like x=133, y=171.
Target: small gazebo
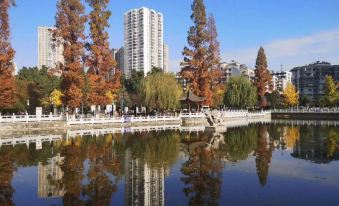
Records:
x=189, y=98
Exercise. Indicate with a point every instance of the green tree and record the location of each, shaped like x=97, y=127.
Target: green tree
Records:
x=304, y=100
x=160, y=90
x=274, y=99
x=262, y=78
x=240, y=93
x=40, y=84
x=331, y=91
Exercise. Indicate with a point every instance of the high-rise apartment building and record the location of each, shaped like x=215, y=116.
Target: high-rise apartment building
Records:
x=143, y=41
x=310, y=79
x=166, y=58
x=280, y=80
x=49, y=55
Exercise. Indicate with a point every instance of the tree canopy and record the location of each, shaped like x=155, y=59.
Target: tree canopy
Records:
x=240, y=93
x=160, y=90
x=291, y=96
x=331, y=91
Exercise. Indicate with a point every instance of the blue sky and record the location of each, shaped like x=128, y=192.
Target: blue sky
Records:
x=293, y=32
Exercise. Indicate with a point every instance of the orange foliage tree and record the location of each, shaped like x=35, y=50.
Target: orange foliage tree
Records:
x=100, y=60
x=202, y=54
x=7, y=81
x=70, y=26
x=263, y=77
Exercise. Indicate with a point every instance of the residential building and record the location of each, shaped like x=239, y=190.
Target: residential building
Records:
x=280, y=80
x=143, y=40
x=49, y=53
x=119, y=58
x=166, y=58
x=310, y=79
x=234, y=68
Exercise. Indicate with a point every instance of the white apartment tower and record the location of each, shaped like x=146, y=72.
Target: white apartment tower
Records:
x=48, y=55
x=144, y=42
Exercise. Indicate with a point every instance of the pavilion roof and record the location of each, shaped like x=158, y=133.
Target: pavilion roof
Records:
x=190, y=96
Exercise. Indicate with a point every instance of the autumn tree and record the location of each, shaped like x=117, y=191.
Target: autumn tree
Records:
x=262, y=78
x=199, y=57
x=7, y=81
x=331, y=91
x=100, y=60
x=291, y=96
x=70, y=26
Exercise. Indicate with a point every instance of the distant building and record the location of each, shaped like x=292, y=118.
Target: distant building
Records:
x=166, y=58
x=143, y=40
x=51, y=172
x=280, y=80
x=49, y=55
x=119, y=58
x=234, y=68
x=310, y=79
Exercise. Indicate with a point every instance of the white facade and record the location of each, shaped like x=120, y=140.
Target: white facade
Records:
x=234, y=68
x=166, y=58
x=48, y=55
x=280, y=80
x=143, y=40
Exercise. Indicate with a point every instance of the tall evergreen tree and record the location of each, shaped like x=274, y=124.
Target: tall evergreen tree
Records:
x=7, y=81
x=196, y=66
x=100, y=60
x=263, y=77
x=70, y=24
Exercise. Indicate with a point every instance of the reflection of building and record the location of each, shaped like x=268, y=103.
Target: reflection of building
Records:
x=48, y=55
x=143, y=185
x=47, y=175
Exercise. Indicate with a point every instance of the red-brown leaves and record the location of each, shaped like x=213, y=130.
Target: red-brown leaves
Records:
x=7, y=83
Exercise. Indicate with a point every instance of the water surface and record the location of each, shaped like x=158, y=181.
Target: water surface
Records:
x=259, y=164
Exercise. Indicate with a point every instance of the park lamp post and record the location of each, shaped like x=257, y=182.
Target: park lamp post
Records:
x=27, y=108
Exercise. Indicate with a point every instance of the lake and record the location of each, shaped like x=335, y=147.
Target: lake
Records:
x=290, y=163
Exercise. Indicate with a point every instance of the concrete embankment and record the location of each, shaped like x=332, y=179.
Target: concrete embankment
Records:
x=306, y=116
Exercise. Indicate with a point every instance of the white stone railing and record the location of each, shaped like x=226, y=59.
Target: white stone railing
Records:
x=30, y=118
x=192, y=115
x=242, y=113
x=307, y=110
x=120, y=120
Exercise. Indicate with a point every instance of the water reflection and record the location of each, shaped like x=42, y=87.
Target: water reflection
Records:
x=92, y=170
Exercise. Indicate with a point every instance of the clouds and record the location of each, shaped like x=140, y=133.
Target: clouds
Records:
x=293, y=52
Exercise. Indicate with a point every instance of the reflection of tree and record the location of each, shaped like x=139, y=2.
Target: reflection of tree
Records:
x=263, y=155
x=332, y=142
x=7, y=169
x=292, y=136
x=202, y=174
x=100, y=188
x=239, y=143
x=155, y=147
x=72, y=168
